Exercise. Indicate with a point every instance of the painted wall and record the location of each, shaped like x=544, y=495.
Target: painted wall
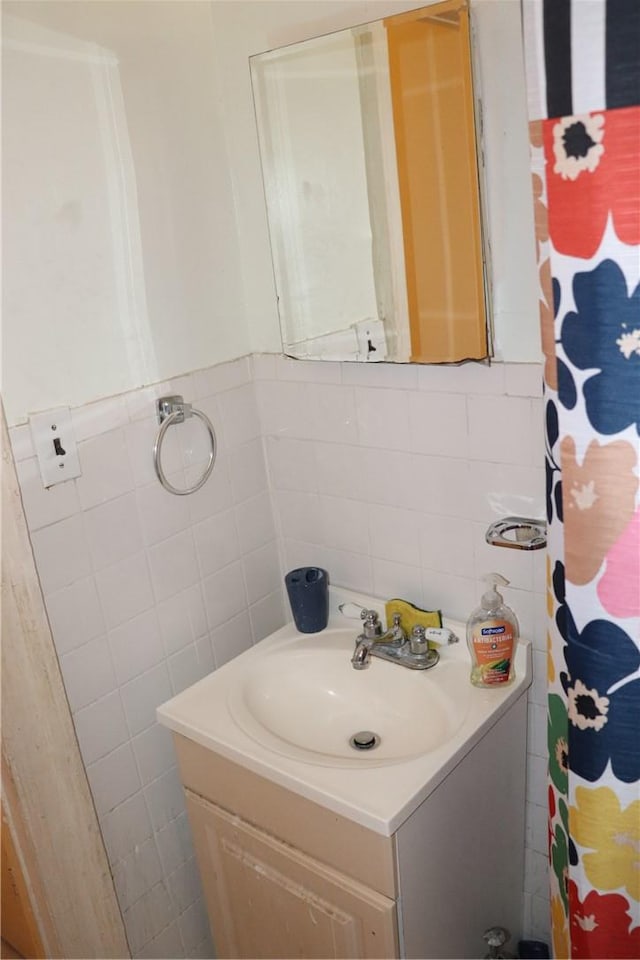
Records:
x=138, y=249
x=121, y=265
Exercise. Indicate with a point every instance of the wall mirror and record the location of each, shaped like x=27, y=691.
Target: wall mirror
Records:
x=370, y=165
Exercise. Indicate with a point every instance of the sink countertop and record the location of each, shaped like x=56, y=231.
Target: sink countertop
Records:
x=379, y=797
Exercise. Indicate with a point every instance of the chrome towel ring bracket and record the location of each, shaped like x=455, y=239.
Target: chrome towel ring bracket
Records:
x=174, y=410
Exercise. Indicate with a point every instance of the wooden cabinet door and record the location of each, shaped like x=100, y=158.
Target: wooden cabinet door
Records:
x=266, y=899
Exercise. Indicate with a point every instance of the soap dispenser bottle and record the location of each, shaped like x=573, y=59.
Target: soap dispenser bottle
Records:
x=492, y=635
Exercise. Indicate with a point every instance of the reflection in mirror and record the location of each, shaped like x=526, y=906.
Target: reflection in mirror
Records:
x=368, y=147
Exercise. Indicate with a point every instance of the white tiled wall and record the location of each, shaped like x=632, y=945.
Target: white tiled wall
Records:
x=388, y=477
x=385, y=475
x=146, y=593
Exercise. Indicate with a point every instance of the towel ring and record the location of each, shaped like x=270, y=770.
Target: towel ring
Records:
x=174, y=410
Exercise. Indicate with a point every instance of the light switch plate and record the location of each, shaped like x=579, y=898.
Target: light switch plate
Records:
x=55, y=445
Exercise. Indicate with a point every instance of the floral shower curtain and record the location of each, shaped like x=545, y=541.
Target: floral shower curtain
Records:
x=583, y=79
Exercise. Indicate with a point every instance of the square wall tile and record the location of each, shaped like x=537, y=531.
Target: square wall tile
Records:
x=439, y=485
x=247, y=471
x=262, y=572
x=136, y=646
x=137, y=873
x=106, y=470
x=330, y=413
x=455, y=596
x=113, y=531
x=61, y=554
x=148, y=917
x=264, y=366
x=473, y=378
x=100, y=727
x=291, y=463
x=383, y=418
x=523, y=379
x=168, y=945
x=396, y=580
x=125, y=589
x=174, y=565
x=345, y=524
x=88, y=673
x=194, y=926
x=501, y=430
x=182, y=619
x=387, y=376
x=154, y=752
x=113, y=779
x=224, y=595
x=267, y=615
x=191, y=664
x=175, y=845
x=162, y=514
x=255, y=523
x=75, y=615
x=184, y=885
x=394, y=535
x=438, y=424
x=281, y=407
x=501, y=490
x=21, y=442
x=232, y=638
x=387, y=477
x=216, y=541
x=140, y=437
x=352, y=570
x=239, y=415
x=215, y=495
x=298, y=515
x=335, y=469
x=193, y=434
x=45, y=505
x=165, y=799
x=125, y=826
x=447, y=544
x=143, y=695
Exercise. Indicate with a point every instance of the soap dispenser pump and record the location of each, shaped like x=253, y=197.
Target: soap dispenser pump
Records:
x=492, y=635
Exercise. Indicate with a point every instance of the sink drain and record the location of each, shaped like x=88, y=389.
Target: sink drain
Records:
x=364, y=740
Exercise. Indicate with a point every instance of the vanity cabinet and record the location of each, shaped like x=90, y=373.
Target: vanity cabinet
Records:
x=290, y=904
x=282, y=876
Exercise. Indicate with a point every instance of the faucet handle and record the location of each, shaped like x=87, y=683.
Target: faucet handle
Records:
x=372, y=626
x=418, y=641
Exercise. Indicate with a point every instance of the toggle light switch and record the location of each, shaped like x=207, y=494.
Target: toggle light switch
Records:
x=55, y=446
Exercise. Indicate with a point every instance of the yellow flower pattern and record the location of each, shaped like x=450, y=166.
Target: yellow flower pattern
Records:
x=598, y=823
x=560, y=930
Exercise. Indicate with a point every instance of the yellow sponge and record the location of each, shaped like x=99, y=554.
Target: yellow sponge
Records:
x=410, y=615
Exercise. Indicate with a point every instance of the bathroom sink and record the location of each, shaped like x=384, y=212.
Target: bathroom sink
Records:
x=306, y=701
x=288, y=707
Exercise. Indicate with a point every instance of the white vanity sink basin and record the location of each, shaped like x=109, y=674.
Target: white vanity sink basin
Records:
x=305, y=700
x=288, y=707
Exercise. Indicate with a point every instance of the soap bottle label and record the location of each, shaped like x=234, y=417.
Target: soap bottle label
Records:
x=493, y=648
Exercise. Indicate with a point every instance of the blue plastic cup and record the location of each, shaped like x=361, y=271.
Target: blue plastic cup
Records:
x=308, y=590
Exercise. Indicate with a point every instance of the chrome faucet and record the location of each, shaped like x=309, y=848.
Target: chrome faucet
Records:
x=392, y=645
